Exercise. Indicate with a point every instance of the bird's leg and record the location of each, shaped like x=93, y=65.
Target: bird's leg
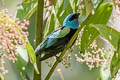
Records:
x=70, y=50
x=57, y=58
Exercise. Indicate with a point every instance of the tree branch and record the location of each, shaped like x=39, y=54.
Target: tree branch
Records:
x=38, y=34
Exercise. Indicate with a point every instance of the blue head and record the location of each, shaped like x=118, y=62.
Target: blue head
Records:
x=72, y=21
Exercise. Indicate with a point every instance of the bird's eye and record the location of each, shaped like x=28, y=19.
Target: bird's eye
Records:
x=72, y=18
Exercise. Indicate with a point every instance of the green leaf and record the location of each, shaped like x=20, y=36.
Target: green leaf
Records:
x=75, y=5
x=65, y=3
x=107, y=32
x=22, y=60
x=30, y=71
x=22, y=52
x=101, y=16
x=31, y=29
x=31, y=52
x=13, y=71
x=118, y=47
x=32, y=56
x=89, y=6
x=29, y=49
x=113, y=37
x=63, y=11
x=115, y=63
x=22, y=57
x=96, y=3
x=83, y=13
x=50, y=25
x=36, y=68
x=26, y=9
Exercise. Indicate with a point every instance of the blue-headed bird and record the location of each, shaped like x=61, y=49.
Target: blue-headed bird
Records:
x=58, y=39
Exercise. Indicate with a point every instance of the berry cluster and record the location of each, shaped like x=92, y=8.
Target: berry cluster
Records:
x=11, y=35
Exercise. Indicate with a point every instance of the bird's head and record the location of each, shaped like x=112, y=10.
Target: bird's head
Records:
x=72, y=21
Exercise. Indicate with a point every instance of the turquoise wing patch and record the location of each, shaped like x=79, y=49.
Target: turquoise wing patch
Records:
x=60, y=33
x=51, y=41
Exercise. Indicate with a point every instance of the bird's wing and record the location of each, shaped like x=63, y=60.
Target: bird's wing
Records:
x=59, y=33
x=53, y=37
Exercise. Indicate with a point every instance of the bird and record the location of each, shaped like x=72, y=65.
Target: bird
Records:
x=56, y=41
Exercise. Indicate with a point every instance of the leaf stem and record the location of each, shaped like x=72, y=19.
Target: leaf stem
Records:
x=38, y=35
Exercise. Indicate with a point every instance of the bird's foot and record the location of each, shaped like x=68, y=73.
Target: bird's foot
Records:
x=70, y=50
x=57, y=58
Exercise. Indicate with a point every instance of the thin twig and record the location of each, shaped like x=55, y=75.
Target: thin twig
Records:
x=60, y=73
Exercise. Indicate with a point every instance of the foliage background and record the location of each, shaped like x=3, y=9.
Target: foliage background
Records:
x=80, y=71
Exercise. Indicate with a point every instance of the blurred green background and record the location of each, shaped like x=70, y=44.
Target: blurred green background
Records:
x=80, y=71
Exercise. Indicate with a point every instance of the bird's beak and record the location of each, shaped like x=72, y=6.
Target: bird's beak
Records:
x=77, y=15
